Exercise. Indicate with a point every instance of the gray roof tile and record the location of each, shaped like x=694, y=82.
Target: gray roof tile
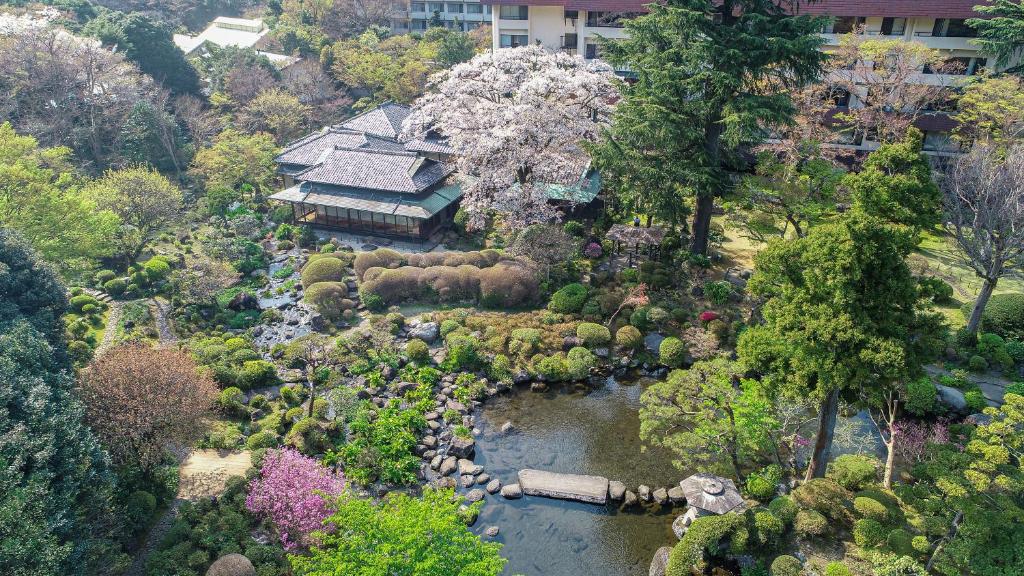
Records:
x=384, y=121
x=376, y=170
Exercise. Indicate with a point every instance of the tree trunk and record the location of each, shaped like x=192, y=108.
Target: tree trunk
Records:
x=702, y=224
x=953, y=529
x=979, y=305
x=827, y=414
x=312, y=397
x=890, y=456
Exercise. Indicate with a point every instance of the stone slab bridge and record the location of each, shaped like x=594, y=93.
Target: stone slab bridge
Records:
x=590, y=489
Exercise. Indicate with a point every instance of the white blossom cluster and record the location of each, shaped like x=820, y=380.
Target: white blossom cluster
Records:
x=12, y=24
x=516, y=119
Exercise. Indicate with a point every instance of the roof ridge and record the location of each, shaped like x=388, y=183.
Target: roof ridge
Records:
x=404, y=153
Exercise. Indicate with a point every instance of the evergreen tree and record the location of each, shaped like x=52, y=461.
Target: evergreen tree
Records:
x=710, y=78
x=148, y=44
x=55, y=487
x=151, y=136
x=1002, y=32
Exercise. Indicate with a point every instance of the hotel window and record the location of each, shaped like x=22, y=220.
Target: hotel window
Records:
x=419, y=25
x=940, y=142
x=571, y=16
x=455, y=8
x=514, y=13
x=591, y=51
x=513, y=40
x=608, y=19
x=846, y=24
x=893, y=26
x=487, y=9
x=435, y=6
x=953, y=27
x=474, y=9
x=418, y=7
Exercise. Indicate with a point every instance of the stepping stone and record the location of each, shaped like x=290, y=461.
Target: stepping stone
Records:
x=616, y=490
x=592, y=489
x=466, y=466
x=629, y=499
x=493, y=486
x=475, y=495
x=676, y=495
x=644, y=492
x=483, y=478
x=660, y=495
x=466, y=480
x=512, y=491
x=491, y=531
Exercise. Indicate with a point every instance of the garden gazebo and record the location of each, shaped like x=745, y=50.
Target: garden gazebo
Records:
x=636, y=240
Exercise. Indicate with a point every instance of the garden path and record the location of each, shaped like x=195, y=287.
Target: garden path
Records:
x=202, y=474
x=161, y=316
x=110, y=332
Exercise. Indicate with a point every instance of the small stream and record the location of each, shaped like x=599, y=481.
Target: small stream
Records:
x=591, y=431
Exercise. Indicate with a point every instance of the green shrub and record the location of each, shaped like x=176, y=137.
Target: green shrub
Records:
x=256, y=374
x=379, y=258
x=853, y=471
x=1003, y=315
x=871, y=508
x=579, y=362
x=921, y=544
x=262, y=439
x=704, y=535
x=373, y=302
x=786, y=565
x=899, y=541
x=552, y=368
x=79, y=302
x=1016, y=388
x=323, y=270
x=638, y=319
x=934, y=289
x=569, y=299
x=921, y=396
x=810, y=523
x=761, y=484
x=823, y=495
x=837, y=569
x=449, y=326
x=103, y=276
x=573, y=228
x=784, y=508
x=509, y=284
x=417, y=351
x=593, y=335
x=501, y=368
x=717, y=292
x=232, y=401
x=629, y=338
x=394, y=285
x=156, y=268
x=672, y=352
x=1015, y=350
x=115, y=287
x=140, y=507
x=328, y=298
x=769, y=528
x=975, y=400
x=868, y=533
x=657, y=315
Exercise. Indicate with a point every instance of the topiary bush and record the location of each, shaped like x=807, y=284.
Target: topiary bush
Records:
x=921, y=544
x=784, y=508
x=328, y=298
x=761, y=485
x=837, y=569
x=672, y=352
x=552, y=368
x=823, y=495
x=156, y=268
x=934, y=289
x=853, y=471
x=769, y=528
x=379, y=258
x=262, y=439
x=1003, y=315
x=809, y=523
x=256, y=374
x=868, y=533
x=509, y=284
x=629, y=338
x=704, y=537
x=871, y=508
x=568, y=299
x=139, y=507
x=785, y=565
x=394, y=285
x=977, y=363
x=417, y=351
x=115, y=287
x=323, y=270
x=921, y=396
x=580, y=362
x=975, y=400
x=593, y=335
x=899, y=541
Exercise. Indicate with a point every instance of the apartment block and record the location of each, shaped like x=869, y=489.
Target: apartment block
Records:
x=575, y=26
x=461, y=15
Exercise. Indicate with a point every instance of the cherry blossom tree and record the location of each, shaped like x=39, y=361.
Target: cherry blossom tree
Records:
x=293, y=491
x=517, y=119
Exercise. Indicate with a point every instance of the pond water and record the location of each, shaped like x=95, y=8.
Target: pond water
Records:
x=579, y=431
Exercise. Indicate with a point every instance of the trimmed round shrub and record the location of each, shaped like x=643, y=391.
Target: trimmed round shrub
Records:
x=899, y=541
x=593, y=335
x=629, y=338
x=232, y=400
x=705, y=533
x=449, y=326
x=672, y=352
x=639, y=320
x=115, y=287
x=823, y=495
x=785, y=565
x=1003, y=315
x=451, y=284
x=868, y=533
x=657, y=315
x=323, y=270
x=975, y=400
x=379, y=258
x=417, y=351
x=837, y=569
x=501, y=368
x=810, y=523
x=1015, y=350
x=256, y=374
x=920, y=544
x=345, y=258
x=935, y=290
x=79, y=302
x=921, y=396
x=328, y=298
x=853, y=471
x=80, y=351
x=579, y=362
x=156, y=268
x=871, y=508
x=552, y=368
x=977, y=363
x=373, y=303
x=262, y=439
x=759, y=488
x=784, y=508
x=569, y=299
x=509, y=284
x=769, y=528
x=103, y=276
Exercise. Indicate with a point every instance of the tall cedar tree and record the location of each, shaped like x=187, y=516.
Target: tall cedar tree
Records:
x=1001, y=31
x=55, y=486
x=711, y=77
x=841, y=316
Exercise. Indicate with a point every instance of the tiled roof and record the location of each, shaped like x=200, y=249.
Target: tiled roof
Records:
x=384, y=121
x=903, y=8
x=429, y=144
x=376, y=170
x=382, y=203
x=308, y=150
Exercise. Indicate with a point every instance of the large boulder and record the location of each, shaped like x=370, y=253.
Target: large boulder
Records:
x=659, y=564
x=462, y=447
x=243, y=301
x=231, y=565
x=428, y=332
x=952, y=397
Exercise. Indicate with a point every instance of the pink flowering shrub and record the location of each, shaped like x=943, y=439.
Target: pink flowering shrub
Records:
x=293, y=491
x=708, y=315
x=913, y=437
x=592, y=250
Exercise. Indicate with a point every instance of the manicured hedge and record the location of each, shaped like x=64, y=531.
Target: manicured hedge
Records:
x=568, y=299
x=328, y=298
x=1003, y=315
x=323, y=270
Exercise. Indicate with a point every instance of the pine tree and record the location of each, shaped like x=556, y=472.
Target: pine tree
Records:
x=1002, y=32
x=710, y=78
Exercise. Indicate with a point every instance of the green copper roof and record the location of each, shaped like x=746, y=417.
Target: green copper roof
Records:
x=582, y=192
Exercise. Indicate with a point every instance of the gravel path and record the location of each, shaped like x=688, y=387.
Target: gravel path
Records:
x=109, y=333
x=161, y=316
